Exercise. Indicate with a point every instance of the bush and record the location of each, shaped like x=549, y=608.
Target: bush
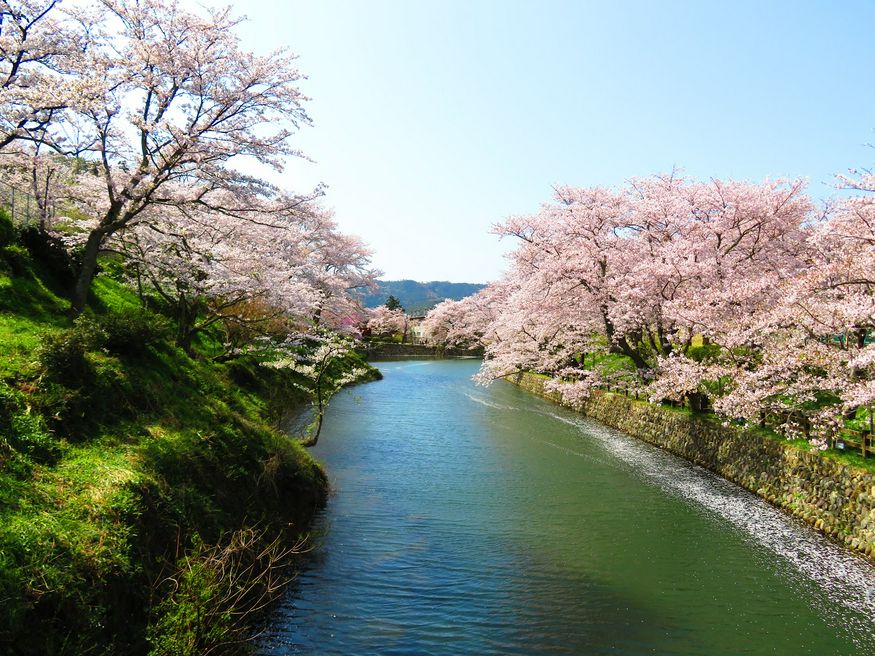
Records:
x=84, y=382
x=13, y=259
x=51, y=252
x=62, y=354
x=218, y=591
x=703, y=352
x=28, y=435
x=7, y=229
x=130, y=332
x=23, y=432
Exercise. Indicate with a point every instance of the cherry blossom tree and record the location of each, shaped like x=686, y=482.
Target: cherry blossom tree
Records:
x=181, y=106
x=805, y=356
x=665, y=272
x=148, y=162
x=336, y=264
x=383, y=321
x=42, y=48
x=461, y=323
x=316, y=359
x=209, y=267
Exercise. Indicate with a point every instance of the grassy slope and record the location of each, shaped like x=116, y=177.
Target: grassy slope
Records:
x=106, y=479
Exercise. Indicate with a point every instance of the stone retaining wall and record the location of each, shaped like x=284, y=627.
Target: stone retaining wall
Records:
x=837, y=499
x=391, y=351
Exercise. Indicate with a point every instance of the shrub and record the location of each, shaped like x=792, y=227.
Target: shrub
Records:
x=703, y=352
x=62, y=354
x=8, y=403
x=51, y=252
x=7, y=229
x=23, y=432
x=13, y=259
x=83, y=382
x=28, y=435
x=218, y=591
x=130, y=332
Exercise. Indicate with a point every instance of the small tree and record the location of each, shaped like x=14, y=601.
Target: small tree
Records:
x=393, y=303
x=319, y=363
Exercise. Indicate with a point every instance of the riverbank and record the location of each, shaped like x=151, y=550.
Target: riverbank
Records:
x=147, y=497
x=374, y=351
x=834, y=498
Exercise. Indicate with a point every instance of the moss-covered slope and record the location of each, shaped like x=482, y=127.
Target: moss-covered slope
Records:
x=120, y=457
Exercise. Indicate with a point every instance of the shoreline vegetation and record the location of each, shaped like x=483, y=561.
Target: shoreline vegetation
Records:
x=149, y=502
x=383, y=350
x=746, y=299
x=161, y=309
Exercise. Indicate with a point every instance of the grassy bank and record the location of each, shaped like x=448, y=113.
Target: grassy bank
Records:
x=134, y=476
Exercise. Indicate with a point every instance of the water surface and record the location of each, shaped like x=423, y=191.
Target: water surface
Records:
x=471, y=520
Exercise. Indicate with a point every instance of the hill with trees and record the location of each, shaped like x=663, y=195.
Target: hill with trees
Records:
x=419, y=297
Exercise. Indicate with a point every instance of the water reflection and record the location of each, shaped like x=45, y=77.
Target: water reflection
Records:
x=485, y=521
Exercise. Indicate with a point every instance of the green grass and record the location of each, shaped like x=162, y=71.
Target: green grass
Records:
x=28, y=308
x=118, y=453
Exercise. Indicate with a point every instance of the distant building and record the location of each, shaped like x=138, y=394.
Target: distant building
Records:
x=414, y=330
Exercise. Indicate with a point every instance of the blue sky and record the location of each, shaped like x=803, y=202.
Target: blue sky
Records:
x=435, y=119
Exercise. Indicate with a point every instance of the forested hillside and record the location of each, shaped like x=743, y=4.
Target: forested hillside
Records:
x=419, y=297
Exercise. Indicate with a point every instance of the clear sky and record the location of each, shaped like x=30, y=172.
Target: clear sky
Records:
x=435, y=119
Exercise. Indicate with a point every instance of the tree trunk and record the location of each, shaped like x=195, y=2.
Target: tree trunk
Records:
x=86, y=273
x=186, y=316
x=623, y=347
x=313, y=438
x=698, y=401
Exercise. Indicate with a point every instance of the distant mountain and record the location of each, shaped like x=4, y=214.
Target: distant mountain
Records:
x=420, y=297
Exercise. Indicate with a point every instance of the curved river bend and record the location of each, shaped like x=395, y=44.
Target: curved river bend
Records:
x=470, y=520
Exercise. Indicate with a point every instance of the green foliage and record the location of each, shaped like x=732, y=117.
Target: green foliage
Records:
x=133, y=331
x=51, y=255
x=116, y=448
x=218, y=590
x=84, y=382
x=62, y=354
x=22, y=432
x=863, y=419
x=7, y=229
x=182, y=628
x=393, y=303
x=110, y=294
x=13, y=260
x=703, y=352
x=28, y=295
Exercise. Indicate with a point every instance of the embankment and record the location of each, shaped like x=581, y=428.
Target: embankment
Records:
x=392, y=351
x=833, y=497
x=147, y=497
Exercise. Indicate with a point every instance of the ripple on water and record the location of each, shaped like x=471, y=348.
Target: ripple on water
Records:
x=485, y=521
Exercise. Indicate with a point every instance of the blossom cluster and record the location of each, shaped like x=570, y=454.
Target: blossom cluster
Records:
x=744, y=296
x=133, y=125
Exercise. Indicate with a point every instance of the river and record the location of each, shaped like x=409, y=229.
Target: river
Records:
x=472, y=520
